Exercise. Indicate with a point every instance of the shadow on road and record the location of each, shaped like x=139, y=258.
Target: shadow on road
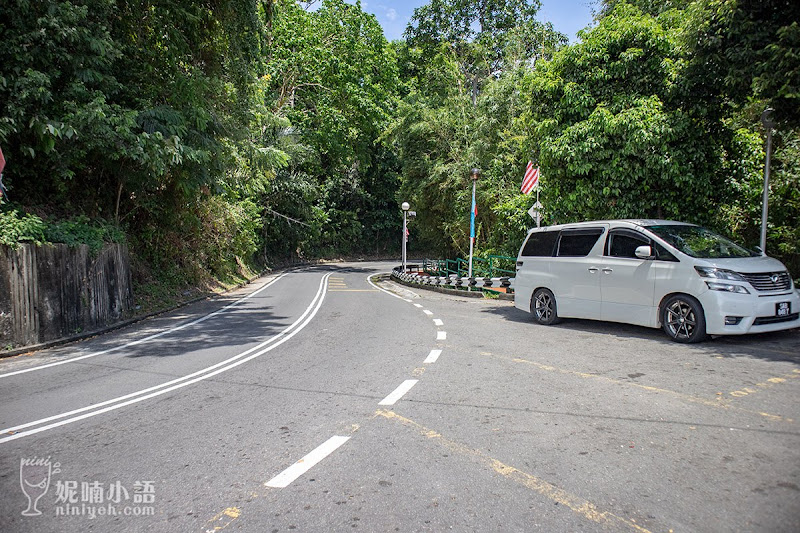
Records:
x=777, y=346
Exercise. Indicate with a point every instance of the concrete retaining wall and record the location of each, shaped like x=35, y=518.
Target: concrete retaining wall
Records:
x=54, y=291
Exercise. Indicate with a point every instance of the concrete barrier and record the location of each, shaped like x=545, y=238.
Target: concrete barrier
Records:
x=54, y=291
x=454, y=281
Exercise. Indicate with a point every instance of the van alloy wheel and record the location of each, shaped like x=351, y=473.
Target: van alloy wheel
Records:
x=683, y=320
x=544, y=307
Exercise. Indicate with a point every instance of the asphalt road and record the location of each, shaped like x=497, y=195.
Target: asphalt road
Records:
x=312, y=400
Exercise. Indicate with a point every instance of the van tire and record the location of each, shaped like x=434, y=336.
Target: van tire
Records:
x=543, y=307
x=683, y=320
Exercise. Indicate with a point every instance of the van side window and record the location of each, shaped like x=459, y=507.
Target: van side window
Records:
x=663, y=255
x=625, y=243
x=540, y=244
x=578, y=243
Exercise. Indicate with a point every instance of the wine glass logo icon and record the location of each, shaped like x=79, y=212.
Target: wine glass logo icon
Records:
x=34, y=478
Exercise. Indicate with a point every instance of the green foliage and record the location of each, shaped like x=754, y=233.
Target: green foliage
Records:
x=137, y=111
x=444, y=128
x=335, y=78
x=739, y=50
x=484, y=37
x=220, y=134
x=654, y=113
x=81, y=230
x=616, y=140
x=15, y=229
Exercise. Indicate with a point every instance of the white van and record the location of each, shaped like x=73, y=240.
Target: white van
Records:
x=657, y=273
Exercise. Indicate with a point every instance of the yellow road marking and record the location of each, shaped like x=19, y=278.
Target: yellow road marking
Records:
x=575, y=503
x=223, y=519
x=766, y=384
x=352, y=290
x=719, y=403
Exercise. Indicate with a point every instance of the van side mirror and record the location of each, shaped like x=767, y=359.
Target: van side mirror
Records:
x=644, y=252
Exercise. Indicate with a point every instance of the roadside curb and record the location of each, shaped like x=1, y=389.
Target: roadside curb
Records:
x=454, y=292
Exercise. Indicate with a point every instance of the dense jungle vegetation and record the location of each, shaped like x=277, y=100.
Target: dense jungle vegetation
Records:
x=214, y=135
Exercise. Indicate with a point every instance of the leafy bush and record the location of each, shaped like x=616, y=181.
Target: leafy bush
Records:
x=15, y=229
x=81, y=230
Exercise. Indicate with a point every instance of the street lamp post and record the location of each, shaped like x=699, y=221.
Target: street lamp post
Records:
x=405, y=207
x=475, y=175
x=766, y=120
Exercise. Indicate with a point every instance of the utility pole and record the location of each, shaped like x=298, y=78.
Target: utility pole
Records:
x=766, y=120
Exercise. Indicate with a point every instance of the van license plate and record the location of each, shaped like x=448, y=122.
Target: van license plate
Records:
x=782, y=308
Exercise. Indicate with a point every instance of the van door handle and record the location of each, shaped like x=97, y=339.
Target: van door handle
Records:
x=593, y=270
x=608, y=270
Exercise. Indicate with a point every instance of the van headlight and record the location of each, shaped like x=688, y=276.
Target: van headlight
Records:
x=719, y=273
x=727, y=287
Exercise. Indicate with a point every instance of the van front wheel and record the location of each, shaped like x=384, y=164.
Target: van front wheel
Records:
x=543, y=307
x=683, y=320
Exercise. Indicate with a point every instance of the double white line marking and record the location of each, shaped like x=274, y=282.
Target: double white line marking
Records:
x=145, y=339
x=31, y=428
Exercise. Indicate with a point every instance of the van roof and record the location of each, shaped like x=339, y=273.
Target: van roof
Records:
x=619, y=222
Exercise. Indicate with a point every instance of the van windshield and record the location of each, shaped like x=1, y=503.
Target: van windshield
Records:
x=697, y=241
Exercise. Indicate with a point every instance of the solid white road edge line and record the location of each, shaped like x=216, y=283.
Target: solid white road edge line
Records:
x=305, y=464
x=433, y=356
x=390, y=293
x=145, y=339
x=279, y=339
x=399, y=392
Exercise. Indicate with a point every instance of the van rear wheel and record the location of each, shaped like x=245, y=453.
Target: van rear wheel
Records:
x=543, y=307
x=683, y=320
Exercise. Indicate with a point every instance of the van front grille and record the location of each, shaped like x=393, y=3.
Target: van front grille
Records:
x=769, y=281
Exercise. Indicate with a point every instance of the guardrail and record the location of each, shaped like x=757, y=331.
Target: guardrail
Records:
x=492, y=266
x=455, y=281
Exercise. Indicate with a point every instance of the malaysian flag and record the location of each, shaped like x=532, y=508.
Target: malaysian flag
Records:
x=531, y=178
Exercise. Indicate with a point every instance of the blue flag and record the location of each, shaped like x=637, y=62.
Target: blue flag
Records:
x=472, y=216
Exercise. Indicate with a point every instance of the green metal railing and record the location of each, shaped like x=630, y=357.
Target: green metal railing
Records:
x=492, y=266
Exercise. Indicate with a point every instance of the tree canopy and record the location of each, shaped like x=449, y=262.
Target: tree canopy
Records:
x=217, y=134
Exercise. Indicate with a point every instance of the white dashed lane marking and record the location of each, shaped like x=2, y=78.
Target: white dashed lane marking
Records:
x=433, y=356
x=399, y=392
x=305, y=464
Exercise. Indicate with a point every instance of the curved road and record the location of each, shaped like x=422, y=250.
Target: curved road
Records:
x=317, y=400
